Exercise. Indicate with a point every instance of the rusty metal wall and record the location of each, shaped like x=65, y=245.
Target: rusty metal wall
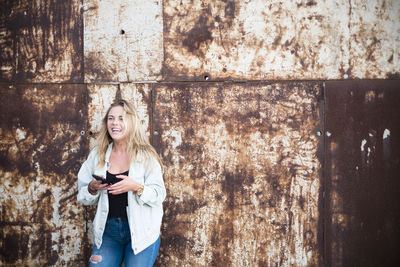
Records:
x=43, y=113
x=244, y=155
x=41, y=146
x=362, y=173
x=268, y=40
x=41, y=41
x=242, y=173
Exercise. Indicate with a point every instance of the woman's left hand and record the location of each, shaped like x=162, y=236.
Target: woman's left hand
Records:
x=123, y=186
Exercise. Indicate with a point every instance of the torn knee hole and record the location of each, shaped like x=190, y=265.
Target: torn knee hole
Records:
x=95, y=258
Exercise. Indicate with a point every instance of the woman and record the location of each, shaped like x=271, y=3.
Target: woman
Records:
x=129, y=200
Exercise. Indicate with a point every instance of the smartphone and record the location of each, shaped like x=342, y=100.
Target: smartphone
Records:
x=99, y=178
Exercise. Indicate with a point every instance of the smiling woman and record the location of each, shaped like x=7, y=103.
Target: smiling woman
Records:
x=129, y=201
x=115, y=123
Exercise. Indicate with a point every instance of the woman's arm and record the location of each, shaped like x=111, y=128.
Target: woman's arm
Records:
x=84, y=178
x=154, y=191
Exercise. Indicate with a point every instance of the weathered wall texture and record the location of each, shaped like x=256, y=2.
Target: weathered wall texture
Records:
x=41, y=41
x=243, y=155
x=123, y=40
x=242, y=173
x=41, y=144
x=362, y=173
x=264, y=40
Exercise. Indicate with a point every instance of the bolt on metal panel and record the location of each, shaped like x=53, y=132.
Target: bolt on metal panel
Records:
x=41, y=148
x=242, y=173
x=41, y=41
x=285, y=40
x=362, y=215
x=123, y=40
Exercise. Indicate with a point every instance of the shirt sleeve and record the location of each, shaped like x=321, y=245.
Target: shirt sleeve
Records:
x=154, y=191
x=84, y=178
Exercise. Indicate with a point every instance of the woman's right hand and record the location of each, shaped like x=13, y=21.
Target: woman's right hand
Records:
x=95, y=186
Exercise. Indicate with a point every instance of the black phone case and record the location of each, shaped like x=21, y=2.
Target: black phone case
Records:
x=103, y=181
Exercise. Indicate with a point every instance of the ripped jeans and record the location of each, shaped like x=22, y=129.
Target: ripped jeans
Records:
x=116, y=246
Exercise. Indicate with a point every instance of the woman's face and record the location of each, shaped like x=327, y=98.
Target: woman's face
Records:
x=115, y=123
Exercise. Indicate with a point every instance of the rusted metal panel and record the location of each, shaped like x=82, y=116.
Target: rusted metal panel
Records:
x=41, y=41
x=362, y=173
x=286, y=40
x=41, y=148
x=242, y=173
x=123, y=40
x=375, y=47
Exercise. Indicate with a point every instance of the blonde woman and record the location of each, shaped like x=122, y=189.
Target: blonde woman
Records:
x=128, y=190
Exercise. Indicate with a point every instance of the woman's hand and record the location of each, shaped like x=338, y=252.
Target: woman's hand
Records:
x=95, y=186
x=123, y=186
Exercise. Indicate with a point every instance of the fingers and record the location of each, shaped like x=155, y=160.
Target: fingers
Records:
x=121, y=187
x=97, y=185
x=103, y=186
x=117, y=190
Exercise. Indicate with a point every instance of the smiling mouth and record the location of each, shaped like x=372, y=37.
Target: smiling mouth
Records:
x=115, y=131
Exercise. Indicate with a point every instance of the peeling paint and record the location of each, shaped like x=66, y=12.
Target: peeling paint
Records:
x=386, y=134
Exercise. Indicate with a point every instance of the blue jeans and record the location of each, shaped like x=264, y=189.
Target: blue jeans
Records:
x=117, y=245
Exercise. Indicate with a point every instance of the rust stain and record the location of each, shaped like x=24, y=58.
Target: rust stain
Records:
x=242, y=173
x=362, y=182
x=374, y=43
x=41, y=146
x=42, y=41
x=286, y=40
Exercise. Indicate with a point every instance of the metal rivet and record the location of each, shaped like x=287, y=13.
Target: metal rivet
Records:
x=319, y=133
x=328, y=134
x=155, y=133
x=82, y=132
x=346, y=76
x=206, y=77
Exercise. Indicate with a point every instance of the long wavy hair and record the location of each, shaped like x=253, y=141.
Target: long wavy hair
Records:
x=138, y=144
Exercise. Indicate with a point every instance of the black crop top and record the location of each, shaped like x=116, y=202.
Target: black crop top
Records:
x=117, y=203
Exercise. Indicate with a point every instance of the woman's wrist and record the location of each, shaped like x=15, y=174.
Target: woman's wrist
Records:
x=139, y=190
x=91, y=190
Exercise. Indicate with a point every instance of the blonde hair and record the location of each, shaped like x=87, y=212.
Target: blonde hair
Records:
x=138, y=144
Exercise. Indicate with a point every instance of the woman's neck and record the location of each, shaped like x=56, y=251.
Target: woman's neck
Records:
x=119, y=146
